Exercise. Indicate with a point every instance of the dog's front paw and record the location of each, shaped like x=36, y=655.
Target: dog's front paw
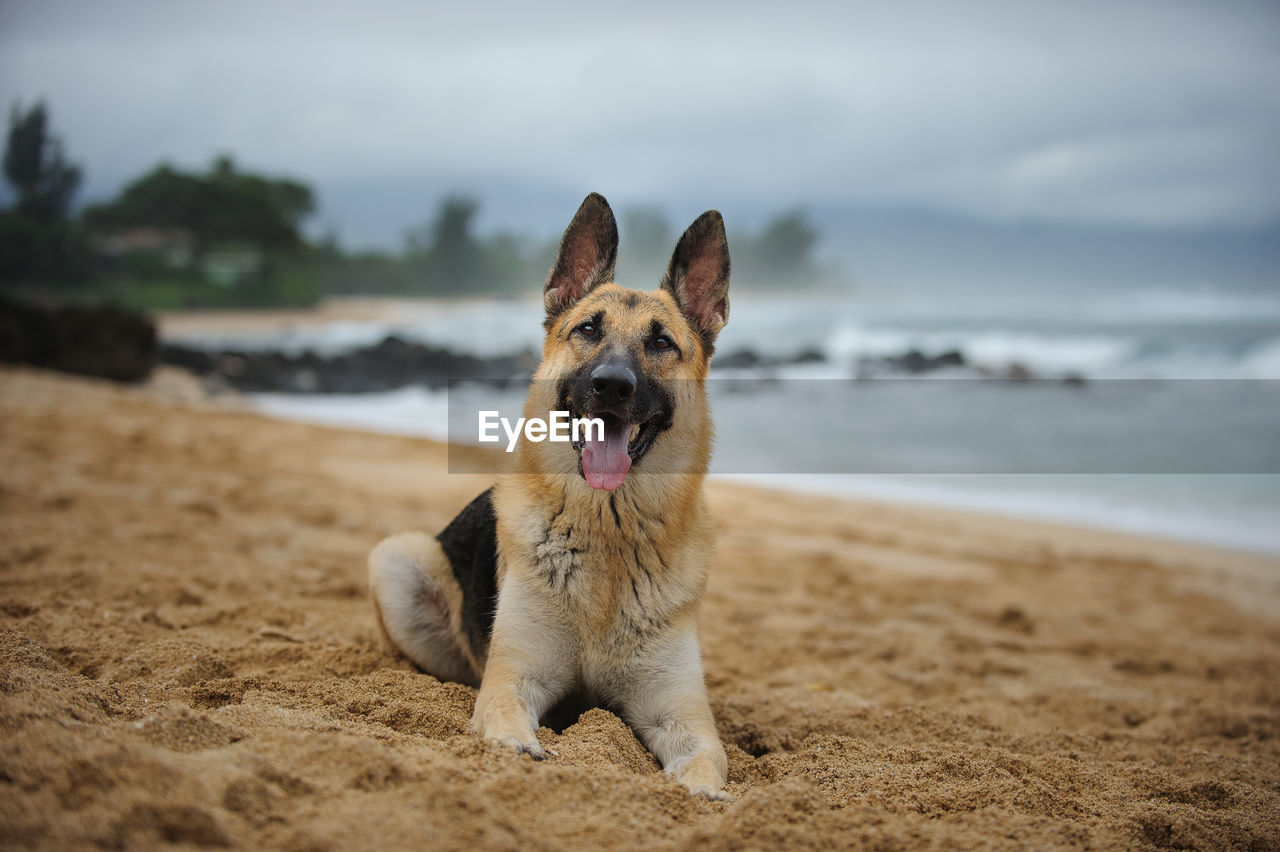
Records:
x=702, y=778
x=507, y=730
x=530, y=746
x=711, y=795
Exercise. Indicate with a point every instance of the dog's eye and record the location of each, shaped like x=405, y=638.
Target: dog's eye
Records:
x=663, y=343
x=588, y=330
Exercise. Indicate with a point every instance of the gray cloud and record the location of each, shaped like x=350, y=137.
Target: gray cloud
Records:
x=1148, y=113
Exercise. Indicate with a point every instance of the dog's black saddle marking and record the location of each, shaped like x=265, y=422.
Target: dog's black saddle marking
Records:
x=471, y=544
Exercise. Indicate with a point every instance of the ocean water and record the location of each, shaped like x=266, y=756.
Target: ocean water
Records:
x=1175, y=430
x=1177, y=333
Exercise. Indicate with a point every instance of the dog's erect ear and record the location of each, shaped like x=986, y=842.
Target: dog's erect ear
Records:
x=698, y=276
x=588, y=253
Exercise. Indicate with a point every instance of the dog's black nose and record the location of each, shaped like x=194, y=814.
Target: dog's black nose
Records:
x=613, y=383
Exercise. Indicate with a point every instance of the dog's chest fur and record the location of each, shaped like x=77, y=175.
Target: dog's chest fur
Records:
x=619, y=569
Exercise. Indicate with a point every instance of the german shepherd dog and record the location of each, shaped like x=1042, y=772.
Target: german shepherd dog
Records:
x=580, y=573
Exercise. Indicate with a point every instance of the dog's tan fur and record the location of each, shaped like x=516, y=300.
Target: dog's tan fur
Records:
x=598, y=591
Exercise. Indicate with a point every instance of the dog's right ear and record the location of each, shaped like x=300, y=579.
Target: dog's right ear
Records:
x=698, y=277
x=588, y=253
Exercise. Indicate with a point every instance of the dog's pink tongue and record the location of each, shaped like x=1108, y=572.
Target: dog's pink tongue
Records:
x=605, y=463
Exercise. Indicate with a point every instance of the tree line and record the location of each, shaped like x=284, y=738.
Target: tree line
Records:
x=226, y=237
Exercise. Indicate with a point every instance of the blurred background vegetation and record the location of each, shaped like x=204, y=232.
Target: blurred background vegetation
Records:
x=227, y=238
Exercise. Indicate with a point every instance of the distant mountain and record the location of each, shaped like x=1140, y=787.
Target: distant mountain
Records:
x=887, y=247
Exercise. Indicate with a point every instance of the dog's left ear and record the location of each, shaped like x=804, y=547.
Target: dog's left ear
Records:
x=698, y=277
x=588, y=253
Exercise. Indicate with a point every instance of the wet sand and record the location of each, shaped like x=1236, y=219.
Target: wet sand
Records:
x=189, y=658
x=177, y=326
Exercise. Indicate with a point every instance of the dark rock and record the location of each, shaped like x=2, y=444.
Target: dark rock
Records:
x=102, y=341
x=742, y=359
x=1014, y=372
x=915, y=362
x=748, y=358
x=1019, y=373
x=390, y=364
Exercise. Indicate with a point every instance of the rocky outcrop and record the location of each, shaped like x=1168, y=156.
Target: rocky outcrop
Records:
x=393, y=363
x=102, y=341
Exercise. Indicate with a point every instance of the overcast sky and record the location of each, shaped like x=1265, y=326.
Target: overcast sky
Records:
x=1152, y=113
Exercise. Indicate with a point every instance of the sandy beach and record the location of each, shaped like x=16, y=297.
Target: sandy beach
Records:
x=189, y=658
x=175, y=325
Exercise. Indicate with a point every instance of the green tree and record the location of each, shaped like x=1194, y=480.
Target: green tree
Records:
x=446, y=252
x=236, y=239
x=223, y=205
x=781, y=254
x=267, y=213
x=35, y=166
x=455, y=263
x=785, y=246
x=38, y=244
x=647, y=243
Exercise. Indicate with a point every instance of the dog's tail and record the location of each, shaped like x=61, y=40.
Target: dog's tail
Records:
x=418, y=604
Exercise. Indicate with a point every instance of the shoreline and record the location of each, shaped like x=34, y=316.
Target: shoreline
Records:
x=203, y=324
x=411, y=412
x=333, y=308
x=1036, y=505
